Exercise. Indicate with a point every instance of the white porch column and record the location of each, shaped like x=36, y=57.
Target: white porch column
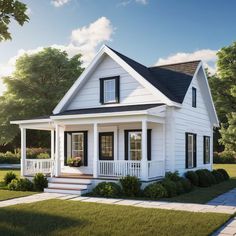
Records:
x=95, y=150
x=52, y=150
x=57, y=157
x=144, y=164
x=23, y=150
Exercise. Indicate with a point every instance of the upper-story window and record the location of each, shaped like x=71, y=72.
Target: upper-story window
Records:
x=194, y=97
x=110, y=90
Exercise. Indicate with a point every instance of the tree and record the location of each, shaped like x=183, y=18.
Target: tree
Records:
x=37, y=85
x=223, y=86
x=11, y=9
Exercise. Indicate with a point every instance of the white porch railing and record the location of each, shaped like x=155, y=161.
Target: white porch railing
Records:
x=119, y=168
x=34, y=166
x=156, y=169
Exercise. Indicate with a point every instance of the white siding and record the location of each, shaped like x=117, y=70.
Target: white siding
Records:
x=193, y=120
x=131, y=91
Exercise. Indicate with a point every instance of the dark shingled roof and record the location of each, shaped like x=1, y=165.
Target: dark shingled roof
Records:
x=109, y=109
x=172, y=80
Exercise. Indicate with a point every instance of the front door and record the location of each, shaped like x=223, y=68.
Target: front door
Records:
x=106, y=146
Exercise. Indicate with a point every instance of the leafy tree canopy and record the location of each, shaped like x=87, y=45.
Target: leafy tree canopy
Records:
x=11, y=9
x=34, y=89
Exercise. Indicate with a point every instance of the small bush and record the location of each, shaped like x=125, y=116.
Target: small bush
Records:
x=204, y=180
x=170, y=187
x=155, y=191
x=40, y=182
x=225, y=157
x=224, y=173
x=130, y=186
x=193, y=177
x=33, y=153
x=20, y=185
x=43, y=156
x=218, y=176
x=107, y=189
x=9, y=158
x=186, y=184
x=211, y=177
x=9, y=176
x=179, y=187
x=174, y=176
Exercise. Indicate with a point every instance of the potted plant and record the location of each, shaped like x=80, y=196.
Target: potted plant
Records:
x=74, y=161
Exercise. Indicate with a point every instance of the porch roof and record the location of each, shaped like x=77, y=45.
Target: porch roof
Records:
x=139, y=107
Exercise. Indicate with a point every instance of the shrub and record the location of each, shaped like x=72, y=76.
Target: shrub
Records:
x=193, y=177
x=224, y=173
x=170, y=187
x=225, y=157
x=40, y=182
x=107, y=189
x=204, y=180
x=20, y=185
x=130, y=186
x=211, y=177
x=43, y=155
x=218, y=176
x=179, y=187
x=155, y=191
x=9, y=176
x=33, y=153
x=186, y=184
x=174, y=176
x=13, y=185
x=9, y=158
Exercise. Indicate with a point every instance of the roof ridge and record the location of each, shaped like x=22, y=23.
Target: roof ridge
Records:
x=177, y=63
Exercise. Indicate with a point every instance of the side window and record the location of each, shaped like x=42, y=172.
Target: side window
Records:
x=190, y=150
x=194, y=97
x=206, y=149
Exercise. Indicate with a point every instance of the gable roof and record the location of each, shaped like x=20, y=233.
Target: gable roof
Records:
x=172, y=80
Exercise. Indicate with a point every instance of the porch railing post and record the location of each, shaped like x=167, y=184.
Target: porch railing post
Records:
x=52, y=152
x=144, y=161
x=23, y=150
x=95, y=148
x=57, y=159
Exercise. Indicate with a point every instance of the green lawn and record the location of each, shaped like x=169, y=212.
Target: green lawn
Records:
x=6, y=194
x=203, y=195
x=58, y=217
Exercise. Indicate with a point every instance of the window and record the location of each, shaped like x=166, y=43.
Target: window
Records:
x=133, y=145
x=110, y=90
x=106, y=146
x=194, y=97
x=206, y=149
x=76, y=146
x=190, y=150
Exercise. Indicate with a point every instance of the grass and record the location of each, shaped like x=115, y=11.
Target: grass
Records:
x=51, y=218
x=203, y=195
x=6, y=194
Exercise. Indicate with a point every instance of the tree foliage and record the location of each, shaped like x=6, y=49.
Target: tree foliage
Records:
x=223, y=86
x=34, y=89
x=11, y=9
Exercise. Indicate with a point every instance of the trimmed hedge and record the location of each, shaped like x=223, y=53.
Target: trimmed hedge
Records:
x=21, y=185
x=170, y=187
x=186, y=184
x=193, y=177
x=218, y=176
x=130, y=186
x=155, y=191
x=224, y=173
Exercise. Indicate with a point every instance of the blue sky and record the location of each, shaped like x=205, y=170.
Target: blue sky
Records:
x=150, y=31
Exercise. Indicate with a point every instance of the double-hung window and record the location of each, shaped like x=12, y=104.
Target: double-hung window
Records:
x=206, y=149
x=194, y=97
x=190, y=150
x=110, y=90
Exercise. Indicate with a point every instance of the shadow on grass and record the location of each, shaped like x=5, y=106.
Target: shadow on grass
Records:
x=21, y=222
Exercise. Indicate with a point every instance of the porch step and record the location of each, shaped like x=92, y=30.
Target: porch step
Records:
x=70, y=180
x=67, y=185
x=65, y=191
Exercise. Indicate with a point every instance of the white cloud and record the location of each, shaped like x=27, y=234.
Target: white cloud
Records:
x=144, y=2
x=84, y=40
x=208, y=57
x=59, y=3
x=124, y=3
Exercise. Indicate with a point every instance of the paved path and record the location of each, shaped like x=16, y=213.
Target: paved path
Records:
x=9, y=166
x=32, y=198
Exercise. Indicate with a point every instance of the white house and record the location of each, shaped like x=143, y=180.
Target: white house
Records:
x=123, y=118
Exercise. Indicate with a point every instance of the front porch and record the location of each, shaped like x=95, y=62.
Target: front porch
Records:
x=111, y=147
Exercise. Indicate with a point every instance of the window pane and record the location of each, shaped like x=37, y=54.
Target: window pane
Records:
x=135, y=145
x=106, y=146
x=207, y=150
x=190, y=151
x=78, y=145
x=109, y=90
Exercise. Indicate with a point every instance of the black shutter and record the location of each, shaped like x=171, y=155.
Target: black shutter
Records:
x=126, y=144
x=101, y=91
x=186, y=150
x=118, y=89
x=85, y=148
x=195, y=150
x=204, y=149
x=66, y=134
x=149, y=144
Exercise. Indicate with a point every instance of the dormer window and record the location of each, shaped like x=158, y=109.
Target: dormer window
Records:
x=110, y=90
x=194, y=97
